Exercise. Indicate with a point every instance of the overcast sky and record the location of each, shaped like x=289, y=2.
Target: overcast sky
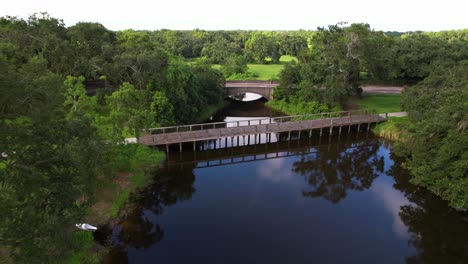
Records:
x=398, y=15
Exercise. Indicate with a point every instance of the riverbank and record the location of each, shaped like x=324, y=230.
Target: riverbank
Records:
x=112, y=195
x=135, y=163
x=299, y=107
x=210, y=110
x=392, y=129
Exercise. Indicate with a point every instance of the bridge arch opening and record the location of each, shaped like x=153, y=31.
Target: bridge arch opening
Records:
x=247, y=97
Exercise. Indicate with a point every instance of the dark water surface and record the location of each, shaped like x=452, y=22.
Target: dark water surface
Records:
x=322, y=200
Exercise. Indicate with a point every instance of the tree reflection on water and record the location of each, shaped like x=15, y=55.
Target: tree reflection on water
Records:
x=438, y=232
x=331, y=171
x=137, y=230
x=331, y=174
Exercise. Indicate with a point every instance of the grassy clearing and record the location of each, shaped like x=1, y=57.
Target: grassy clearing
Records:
x=287, y=58
x=270, y=71
x=381, y=103
x=299, y=107
x=265, y=71
x=392, y=129
x=262, y=72
x=119, y=202
x=86, y=241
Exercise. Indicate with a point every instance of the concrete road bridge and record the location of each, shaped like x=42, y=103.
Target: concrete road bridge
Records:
x=263, y=88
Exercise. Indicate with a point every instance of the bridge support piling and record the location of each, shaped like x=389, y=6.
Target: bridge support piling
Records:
x=339, y=132
x=321, y=130
x=331, y=130
x=349, y=128
x=167, y=148
x=289, y=135
x=194, y=146
x=358, y=127
x=180, y=147
x=299, y=137
x=310, y=133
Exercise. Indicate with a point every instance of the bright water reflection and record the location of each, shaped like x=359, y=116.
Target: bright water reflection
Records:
x=328, y=200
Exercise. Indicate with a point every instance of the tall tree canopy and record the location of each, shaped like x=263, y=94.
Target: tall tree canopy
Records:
x=437, y=142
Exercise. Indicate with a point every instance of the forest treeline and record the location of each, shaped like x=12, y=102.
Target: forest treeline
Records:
x=57, y=140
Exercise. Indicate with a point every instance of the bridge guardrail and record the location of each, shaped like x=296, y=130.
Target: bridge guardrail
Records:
x=258, y=121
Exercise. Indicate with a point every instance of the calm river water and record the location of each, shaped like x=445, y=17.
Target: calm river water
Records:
x=322, y=200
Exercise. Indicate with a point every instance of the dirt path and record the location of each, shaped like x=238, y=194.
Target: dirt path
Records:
x=381, y=89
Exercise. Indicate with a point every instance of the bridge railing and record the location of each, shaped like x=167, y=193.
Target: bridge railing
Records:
x=258, y=121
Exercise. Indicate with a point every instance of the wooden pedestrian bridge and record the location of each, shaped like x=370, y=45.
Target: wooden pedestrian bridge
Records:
x=305, y=124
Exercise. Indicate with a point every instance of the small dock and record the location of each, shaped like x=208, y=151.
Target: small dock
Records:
x=323, y=123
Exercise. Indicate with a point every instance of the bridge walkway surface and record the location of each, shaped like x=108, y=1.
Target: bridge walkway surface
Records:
x=212, y=131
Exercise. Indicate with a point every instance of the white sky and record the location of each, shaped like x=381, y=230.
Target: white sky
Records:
x=398, y=15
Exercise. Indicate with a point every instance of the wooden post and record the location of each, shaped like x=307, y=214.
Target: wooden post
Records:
x=167, y=148
x=321, y=131
x=180, y=147
x=289, y=135
x=299, y=134
x=310, y=133
x=194, y=146
x=339, y=132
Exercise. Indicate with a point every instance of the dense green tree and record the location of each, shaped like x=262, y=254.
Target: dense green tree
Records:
x=162, y=110
x=262, y=45
x=93, y=46
x=138, y=67
x=437, y=139
x=220, y=50
x=234, y=65
x=77, y=99
x=130, y=108
x=49, y=163
x=292, y=44
x=211, y=83
x=334, y=62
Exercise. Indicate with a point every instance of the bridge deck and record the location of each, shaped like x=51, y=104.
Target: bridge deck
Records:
x=260, y=127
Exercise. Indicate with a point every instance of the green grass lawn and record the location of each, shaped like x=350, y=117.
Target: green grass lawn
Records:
x=381, y=103
x=262, y=71
x=270, y=71
x=266, y=71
